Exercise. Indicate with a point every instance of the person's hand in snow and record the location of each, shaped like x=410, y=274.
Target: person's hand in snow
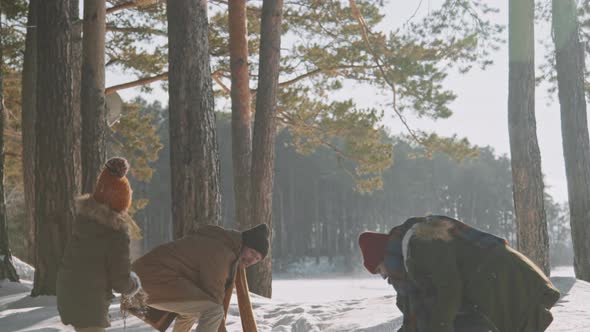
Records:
x=137, y=285
x=135, y=301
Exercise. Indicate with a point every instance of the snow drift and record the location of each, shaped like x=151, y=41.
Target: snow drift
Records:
x=299, y=305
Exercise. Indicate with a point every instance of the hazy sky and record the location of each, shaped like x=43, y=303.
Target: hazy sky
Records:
x=480, y=110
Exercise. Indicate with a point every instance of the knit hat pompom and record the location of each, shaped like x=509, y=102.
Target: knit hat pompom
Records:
x=373, y=249
x=117, y=166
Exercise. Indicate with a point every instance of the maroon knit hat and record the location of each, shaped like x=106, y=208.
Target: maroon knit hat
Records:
x=373, y=249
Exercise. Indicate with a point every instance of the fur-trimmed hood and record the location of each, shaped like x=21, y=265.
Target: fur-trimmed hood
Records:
x=88, y=207
x=446, y=229
x=434, y=228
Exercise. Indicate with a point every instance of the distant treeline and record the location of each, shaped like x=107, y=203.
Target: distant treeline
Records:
x=317, y=212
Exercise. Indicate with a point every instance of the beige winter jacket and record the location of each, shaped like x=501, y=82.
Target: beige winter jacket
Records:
x=200, y=266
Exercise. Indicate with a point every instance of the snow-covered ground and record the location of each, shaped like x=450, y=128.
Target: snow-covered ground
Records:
x=298, y=305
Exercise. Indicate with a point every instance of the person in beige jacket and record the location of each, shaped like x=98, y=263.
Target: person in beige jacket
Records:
x=189, y=277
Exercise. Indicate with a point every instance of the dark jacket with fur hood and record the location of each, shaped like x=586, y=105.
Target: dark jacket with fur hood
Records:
x=448, y=267
x=95, y=262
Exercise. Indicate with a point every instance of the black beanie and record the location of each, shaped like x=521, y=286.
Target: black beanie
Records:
x=257, y=239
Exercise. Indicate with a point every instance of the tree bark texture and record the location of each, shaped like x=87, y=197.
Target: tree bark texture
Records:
x=28, y=113
x=263, y=143
x=54, y=150
x=76, y=59
x=196, y=197
x=574, y=128
x=241, y=119
x=7, y=270
x=93, y=111
x=527, y=178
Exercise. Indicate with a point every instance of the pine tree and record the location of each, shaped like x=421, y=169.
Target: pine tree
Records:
x=93, y=111
x=28, y=114
x=569, y=56
x=528, y=187
x=241, y=120
x=310, y=72
x=7, y=270
x=263, y=142
x=55, y=183
x=194, y=160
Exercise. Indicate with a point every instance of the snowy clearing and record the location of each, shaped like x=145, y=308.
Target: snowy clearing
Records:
x=299, y=305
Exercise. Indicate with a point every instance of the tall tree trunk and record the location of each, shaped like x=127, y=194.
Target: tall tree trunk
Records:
x=280, y=227
x=241, y=118
x=76, y=65
x=93, y=112
x=7, y=270
x=194, y=157
x=527, y=179
x=574, y=128
x=54, y=157
x=29, y=106
x=263, y=144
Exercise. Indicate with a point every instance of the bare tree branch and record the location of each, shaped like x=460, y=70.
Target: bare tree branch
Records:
x=365, y=31
x=13, y=134
x=216, y=77
x=12, y=76
x=131, y=4
x=160, y=77
x=125, y=5
x=415, y=12
x=316, y=72
x=136, y=30
x=139, y=82
x=12, y=154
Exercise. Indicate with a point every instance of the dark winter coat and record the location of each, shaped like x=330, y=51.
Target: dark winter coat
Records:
x=451, y=268
x=198, y=267
x=95, y=262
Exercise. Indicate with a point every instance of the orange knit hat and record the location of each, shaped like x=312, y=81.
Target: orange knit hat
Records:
x=112, y=187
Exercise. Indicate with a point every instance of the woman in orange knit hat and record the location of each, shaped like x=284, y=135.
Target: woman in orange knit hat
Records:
x=96, y=260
